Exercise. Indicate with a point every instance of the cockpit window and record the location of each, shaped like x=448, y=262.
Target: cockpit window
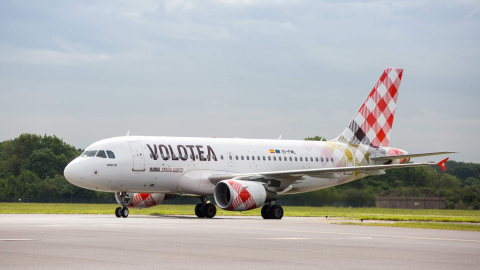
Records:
x=110, y=154
x=90, y=153
x=101, y=154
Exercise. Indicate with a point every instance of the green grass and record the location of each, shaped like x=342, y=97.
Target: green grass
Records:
x=434, y=219
x=296, y=211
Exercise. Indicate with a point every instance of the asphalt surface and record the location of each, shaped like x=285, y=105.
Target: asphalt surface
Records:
x=186, y=242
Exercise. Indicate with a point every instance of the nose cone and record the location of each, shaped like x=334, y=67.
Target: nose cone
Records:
x=74, y=172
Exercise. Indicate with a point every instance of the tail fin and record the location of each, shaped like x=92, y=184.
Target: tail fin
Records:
x=373, y=122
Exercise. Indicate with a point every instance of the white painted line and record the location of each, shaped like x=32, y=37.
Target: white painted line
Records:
x=352, y=234
x=18, y=239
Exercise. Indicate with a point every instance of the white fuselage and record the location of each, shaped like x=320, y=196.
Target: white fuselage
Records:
x=182, y=165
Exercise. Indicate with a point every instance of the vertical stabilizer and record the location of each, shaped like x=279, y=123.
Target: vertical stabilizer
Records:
x=373, y=122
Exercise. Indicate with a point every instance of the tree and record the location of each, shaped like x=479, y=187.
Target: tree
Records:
x=316, y=138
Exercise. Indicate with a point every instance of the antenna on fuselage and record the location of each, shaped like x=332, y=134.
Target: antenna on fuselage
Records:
x=128, y=133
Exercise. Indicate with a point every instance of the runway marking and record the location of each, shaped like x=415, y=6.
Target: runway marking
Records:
x=355, y=234
x=18, y=239
x=286, y=238
x=312, y=238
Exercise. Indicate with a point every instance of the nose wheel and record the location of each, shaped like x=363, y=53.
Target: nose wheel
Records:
x=121, y=212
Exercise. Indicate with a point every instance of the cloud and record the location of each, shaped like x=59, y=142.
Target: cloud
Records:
x=9, y=54
x=251, y=69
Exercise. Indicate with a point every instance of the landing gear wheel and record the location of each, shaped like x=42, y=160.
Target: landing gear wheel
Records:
x=124, y=212
x=264, y=211
x=117, y=212
x=199, y=210
x=209, y=210
x=275, y=212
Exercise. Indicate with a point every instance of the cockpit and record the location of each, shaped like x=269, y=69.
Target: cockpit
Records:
x=98, y=153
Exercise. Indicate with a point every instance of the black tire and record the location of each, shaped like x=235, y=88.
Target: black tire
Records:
x=199, y=210
x=124, y=212
x=264, y=211
x=275, y=212
x=117, y=212
x=209, y=210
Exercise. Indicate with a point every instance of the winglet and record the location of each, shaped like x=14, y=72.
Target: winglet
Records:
x=441, y=164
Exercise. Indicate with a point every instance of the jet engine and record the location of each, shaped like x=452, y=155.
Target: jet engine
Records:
x=237, y=195
x=141, y=200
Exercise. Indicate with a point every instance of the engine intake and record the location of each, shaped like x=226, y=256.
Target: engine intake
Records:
x=237, y=195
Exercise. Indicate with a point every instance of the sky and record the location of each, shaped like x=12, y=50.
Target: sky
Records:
x=89, y=70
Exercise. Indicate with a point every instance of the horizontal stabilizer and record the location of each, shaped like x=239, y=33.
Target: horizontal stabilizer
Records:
x=410, y=155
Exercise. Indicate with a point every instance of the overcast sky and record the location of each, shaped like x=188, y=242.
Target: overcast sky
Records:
x=89, y=70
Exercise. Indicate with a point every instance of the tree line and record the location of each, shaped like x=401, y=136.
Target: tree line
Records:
x=31, y=168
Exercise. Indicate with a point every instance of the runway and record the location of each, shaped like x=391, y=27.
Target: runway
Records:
x=186, y=242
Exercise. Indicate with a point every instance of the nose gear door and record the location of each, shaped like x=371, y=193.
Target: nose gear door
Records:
x=137, y=155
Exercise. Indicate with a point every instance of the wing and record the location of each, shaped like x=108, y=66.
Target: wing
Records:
x=410, y=156
x=294, y=175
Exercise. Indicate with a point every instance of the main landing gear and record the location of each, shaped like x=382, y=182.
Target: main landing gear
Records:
x=272, y=211
x=204, y=209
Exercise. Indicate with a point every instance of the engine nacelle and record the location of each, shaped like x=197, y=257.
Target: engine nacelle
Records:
x=237, y=195
x=141, y=200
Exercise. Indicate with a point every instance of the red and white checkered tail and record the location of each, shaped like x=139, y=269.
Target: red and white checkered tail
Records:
x=373, y=122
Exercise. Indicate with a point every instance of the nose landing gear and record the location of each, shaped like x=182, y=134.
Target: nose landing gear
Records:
x=123, y=198
x=121, y=212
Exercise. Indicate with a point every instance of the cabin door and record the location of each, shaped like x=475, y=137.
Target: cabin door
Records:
x=137, y=155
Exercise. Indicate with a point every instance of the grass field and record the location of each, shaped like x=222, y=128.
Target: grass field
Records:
x=434, y=219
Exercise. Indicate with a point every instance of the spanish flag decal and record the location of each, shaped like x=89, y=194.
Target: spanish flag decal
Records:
x=272, y=151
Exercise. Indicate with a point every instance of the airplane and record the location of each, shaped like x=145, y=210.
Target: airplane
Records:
x=244, y=174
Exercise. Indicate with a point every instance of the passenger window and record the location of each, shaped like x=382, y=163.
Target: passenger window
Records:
x=236, y=157
x=221, y=157
x=301, y=159
x=101, y=154
x=296, y=159
x=331, y=159
x=311, y=159
x=274, y=158
x=112, y=155
x=230, y=157
x=290, y=158
x=242, y=157
x=258, y=157
x=269, y=158
x=321, y=159
x=285, y=158
x=263, y=158
x=253, y=157
x=248, y=158
x=316, y=159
